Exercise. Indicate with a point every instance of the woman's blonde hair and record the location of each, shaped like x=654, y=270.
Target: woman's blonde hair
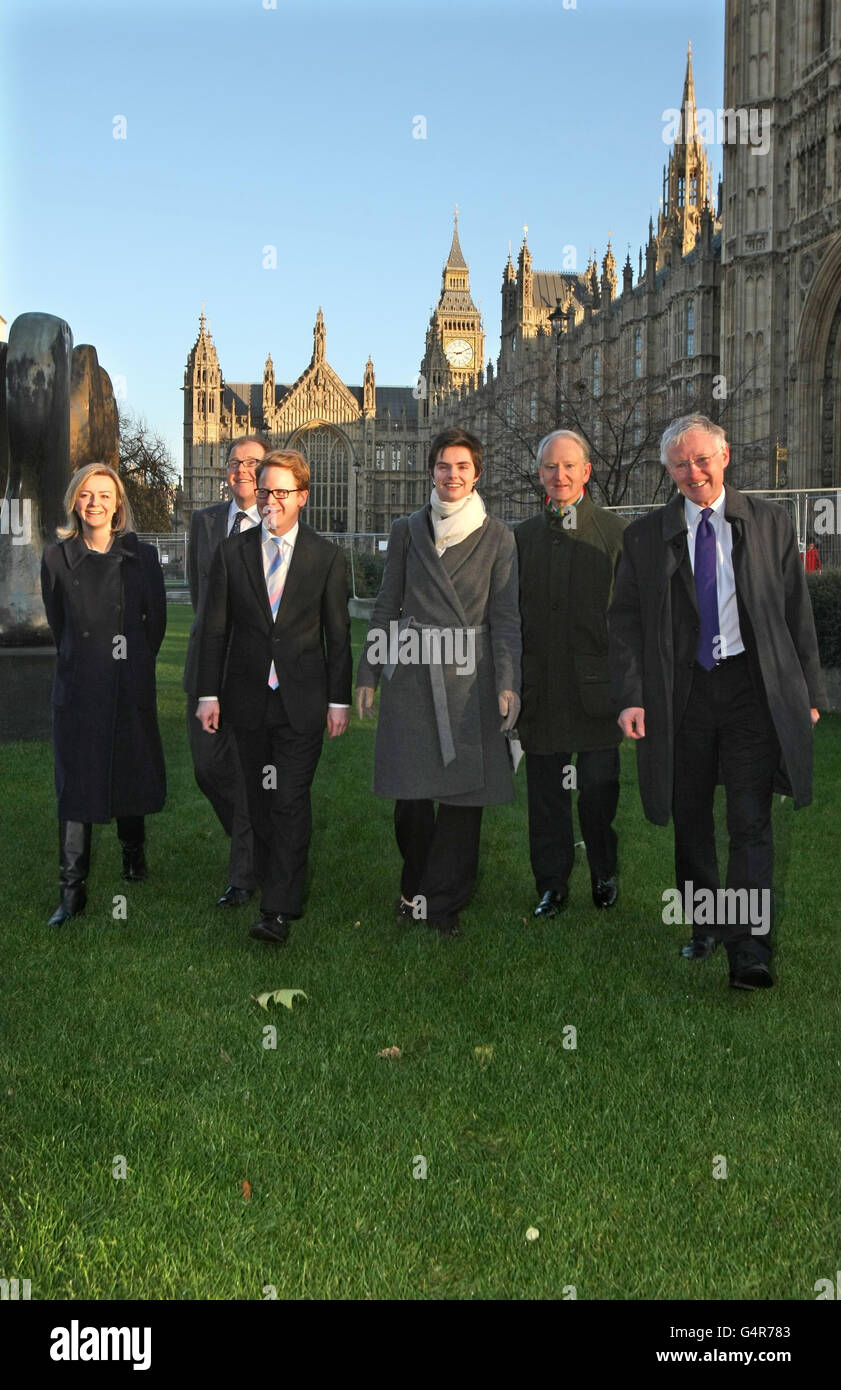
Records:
x=122, y=519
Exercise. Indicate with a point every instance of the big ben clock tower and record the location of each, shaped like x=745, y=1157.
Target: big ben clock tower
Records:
x=455, y=339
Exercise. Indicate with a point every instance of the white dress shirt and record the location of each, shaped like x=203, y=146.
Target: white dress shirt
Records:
x=270, y=547
x=729, y=632
x=251, y=517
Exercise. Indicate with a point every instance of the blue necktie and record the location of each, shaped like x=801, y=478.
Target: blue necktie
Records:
x=705, y=589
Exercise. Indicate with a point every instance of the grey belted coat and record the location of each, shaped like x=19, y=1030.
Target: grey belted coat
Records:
x=438, y=733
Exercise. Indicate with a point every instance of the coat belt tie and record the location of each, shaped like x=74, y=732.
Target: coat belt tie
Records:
x=436, y=679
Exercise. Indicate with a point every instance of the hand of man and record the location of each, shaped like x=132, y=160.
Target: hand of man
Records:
x=337, y=721
x=208, y=712
x=365, y=701
x=815, y=715
x=509, y=708
x=632, y=722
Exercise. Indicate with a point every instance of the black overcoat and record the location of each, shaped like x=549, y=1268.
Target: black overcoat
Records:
x=108, y=755
x=653, y=630
x=567, y=575
x=208, y=529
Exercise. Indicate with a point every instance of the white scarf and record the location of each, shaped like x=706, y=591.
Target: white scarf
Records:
x=453, y=522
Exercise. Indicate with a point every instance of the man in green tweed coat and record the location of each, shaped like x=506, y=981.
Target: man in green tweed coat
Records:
x=568, y=557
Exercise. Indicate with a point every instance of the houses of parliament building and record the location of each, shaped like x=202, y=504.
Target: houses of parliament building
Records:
x=733, y=307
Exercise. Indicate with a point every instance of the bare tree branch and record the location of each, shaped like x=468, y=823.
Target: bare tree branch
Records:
x=148, y=472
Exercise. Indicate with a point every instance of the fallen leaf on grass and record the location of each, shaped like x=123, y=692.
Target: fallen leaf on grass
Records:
x=493, y=1145
x=223, y=1054
x=390, y=1052
x=484, y=1054
x=532, y=1233
x=246, y=1190
x=279, y=996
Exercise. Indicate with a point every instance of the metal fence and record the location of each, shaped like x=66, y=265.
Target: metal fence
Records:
x=365, y=551
x=815, y=515
x=172, y=553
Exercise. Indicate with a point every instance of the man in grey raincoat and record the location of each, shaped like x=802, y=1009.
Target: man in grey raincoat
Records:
x=714, y=663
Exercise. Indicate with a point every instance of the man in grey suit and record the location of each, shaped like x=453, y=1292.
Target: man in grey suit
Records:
x=215, y=757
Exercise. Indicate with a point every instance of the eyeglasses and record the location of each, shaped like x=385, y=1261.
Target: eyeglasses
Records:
x=279, y=494
x=701, y=462
x=235, y=464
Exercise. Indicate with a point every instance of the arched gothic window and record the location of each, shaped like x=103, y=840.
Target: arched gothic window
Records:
x=328, y=454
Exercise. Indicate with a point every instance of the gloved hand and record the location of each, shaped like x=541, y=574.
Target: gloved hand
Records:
x=365, y=701
x=509, y=707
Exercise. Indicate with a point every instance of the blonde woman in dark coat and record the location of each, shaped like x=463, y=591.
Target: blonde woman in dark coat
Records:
x=445, y=634
x=103, y=591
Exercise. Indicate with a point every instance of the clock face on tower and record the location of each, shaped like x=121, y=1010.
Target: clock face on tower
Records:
x=458, y=352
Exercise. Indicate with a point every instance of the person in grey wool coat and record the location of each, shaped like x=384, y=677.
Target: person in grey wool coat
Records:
x=445, y=635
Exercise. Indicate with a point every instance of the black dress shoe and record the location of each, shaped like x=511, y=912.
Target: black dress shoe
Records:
x=746, y=972
x=134, y=863
x=234, y=897
x=699, y=948
x=271, y=928
x=605, y=891
x=551, y=903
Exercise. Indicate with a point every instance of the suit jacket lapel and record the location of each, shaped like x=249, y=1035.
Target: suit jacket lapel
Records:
x=296, y=572
x=251, y=551
x=218, y=525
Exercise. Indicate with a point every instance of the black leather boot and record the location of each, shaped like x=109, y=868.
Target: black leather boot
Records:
x=132, y=837
x=74, y=857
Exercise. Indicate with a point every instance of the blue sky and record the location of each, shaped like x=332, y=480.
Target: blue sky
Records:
x=248, y=126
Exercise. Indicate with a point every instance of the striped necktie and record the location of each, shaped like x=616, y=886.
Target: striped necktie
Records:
x=275, y=580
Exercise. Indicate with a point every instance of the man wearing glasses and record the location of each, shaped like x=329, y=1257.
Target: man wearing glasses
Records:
x=715, y=665
x=275, y=663
x=215, y=759
x=568, y=556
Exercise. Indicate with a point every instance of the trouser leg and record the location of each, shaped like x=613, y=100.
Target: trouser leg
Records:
x=551, y=841
x=597, y=775
x=449, y=877
x=241, y=859
x=281, y=815
x=414, y=827
x=749, y=756
x=131, y=831
x=218, y=773
x=695, y=774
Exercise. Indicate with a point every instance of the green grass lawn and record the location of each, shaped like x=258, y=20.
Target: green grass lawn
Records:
x=140, y=1039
